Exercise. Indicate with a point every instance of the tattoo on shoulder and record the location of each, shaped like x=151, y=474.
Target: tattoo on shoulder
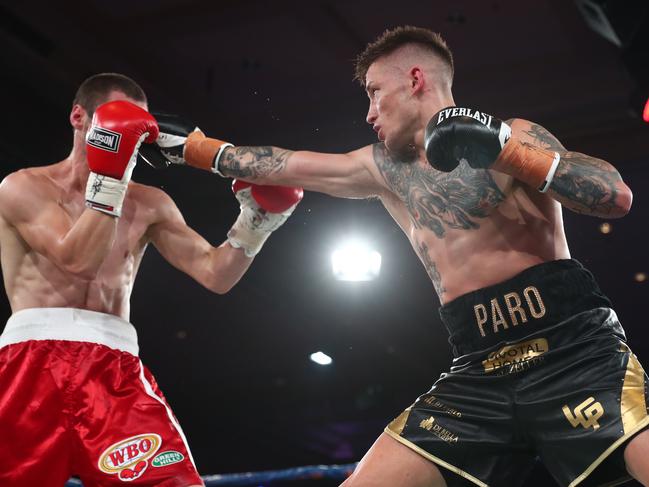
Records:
x=437, y=200
x=253, y=162
x=431, y=268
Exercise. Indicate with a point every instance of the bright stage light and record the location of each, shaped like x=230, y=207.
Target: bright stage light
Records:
x=355, y=262
x=321, y=358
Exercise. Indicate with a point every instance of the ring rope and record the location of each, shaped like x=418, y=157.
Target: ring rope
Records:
x=308, y=472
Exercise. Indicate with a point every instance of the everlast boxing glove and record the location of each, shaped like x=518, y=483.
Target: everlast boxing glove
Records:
x=485, y=142
x=456, y=133
x=181, y=142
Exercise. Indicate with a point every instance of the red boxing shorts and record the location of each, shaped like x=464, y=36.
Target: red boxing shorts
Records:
x=76, y=400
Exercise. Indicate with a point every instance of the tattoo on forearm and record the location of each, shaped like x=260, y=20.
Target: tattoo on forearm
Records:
x=439, y=201
x=589, y=183
x=582, y=183
x=544, y=139
x=253, y=162
x=431, y=268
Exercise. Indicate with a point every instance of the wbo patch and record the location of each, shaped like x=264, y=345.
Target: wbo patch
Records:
x=128, y=459
x=103, y=139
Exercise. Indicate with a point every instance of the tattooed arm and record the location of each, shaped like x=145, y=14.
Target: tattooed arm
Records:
x=581, y=183
x=347, y=175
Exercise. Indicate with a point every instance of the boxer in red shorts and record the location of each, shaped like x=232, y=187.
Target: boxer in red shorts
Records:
x=74, y=397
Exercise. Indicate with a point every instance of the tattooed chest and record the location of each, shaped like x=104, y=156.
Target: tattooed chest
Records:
x=441, y=201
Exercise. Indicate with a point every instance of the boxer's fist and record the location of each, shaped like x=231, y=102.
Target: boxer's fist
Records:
x=273, y=199
x=263, y=210
x=118, y=129
x=182, y=142
x=169, y=146
x=457, y=133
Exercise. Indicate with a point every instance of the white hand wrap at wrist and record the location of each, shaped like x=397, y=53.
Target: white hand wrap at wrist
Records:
x=105, y=194
x=550, y=176
x=254, y=224
x=242, y=236
x=217, y=159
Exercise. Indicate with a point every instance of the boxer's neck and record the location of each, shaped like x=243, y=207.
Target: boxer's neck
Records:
x=78, y=162
x=435, y=100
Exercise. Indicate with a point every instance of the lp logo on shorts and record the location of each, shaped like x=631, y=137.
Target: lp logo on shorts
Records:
x=586, y=414
x=129, y=458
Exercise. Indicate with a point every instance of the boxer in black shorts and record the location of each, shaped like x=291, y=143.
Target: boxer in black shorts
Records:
x=541, y=359
x=541, y=369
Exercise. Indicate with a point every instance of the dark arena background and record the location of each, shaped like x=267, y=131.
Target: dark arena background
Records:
x=236, y=367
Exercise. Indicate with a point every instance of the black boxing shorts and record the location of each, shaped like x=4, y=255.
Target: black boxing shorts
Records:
x=541, y=371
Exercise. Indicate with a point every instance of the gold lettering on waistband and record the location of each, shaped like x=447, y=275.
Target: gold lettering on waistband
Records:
x=528, y=292
x=480, y=316
x=514, y=355
x=516, y=308
x=497, y=316
x=521, y=307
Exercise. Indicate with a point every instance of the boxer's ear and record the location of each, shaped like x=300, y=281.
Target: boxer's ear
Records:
x=78, y=117
x=417, y=79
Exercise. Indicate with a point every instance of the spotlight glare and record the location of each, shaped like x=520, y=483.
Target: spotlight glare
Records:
x=355, y=262
x=321, y=358
x=640, y=277
x=606, y=228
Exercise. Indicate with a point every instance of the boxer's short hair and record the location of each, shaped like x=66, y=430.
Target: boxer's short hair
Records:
x=392, y=39
x=94, y=90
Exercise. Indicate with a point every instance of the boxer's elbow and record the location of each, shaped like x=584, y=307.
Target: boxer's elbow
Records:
x=221, y=287
x=80, y=270
x=223, y=269
x=625, y=199
x=77, y=266
x=218, y=283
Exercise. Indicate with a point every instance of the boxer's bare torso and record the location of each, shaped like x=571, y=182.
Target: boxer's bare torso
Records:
x=474, y=228
x=32, y=280
x=56, y=252
x=470, y=228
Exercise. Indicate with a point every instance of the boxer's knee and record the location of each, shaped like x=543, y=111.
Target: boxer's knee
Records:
x=389, y=463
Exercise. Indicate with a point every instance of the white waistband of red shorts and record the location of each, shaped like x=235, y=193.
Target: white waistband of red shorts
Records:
x=71, y=324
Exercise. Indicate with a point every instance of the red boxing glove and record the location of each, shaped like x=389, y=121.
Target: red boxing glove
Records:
x=118, y=128
x=274, y=199
x=263, y=210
